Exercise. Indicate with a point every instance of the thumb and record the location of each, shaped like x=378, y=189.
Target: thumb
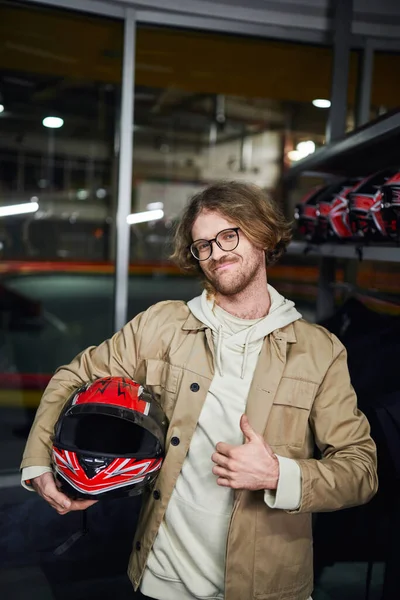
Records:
x=247, y=429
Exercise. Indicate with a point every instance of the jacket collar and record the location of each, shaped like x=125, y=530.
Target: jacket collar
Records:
x=193, y=324
x=287, y=332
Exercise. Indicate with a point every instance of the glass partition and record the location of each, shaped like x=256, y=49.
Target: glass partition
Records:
x=60, y=80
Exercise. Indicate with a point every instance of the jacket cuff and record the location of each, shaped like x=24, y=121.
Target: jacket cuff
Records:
x=29, y=473
x=287, y=496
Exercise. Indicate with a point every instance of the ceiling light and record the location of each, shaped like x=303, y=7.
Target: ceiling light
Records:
x=321, y=103
x=306, y=148
x=101, y=193
x=143, y=217
x=18, y=209
x=155, y=206
x=53, y=122
x=295, y=155
x=82, y=194
x=1, y=108
x=303, y=149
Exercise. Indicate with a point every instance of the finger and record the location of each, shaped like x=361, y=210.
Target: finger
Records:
x=82, y=504
x=53, y=496
x=224, y=448
x=223, y=482
x=56, y=507
x=60, y=511
x=75, y=506
x=220, y=459
x=45, y=486
x=61, y=501
x=269, y=450
x=247, y=429
x=221, y=472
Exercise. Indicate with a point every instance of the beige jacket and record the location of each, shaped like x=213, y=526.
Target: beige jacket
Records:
x=300, y=393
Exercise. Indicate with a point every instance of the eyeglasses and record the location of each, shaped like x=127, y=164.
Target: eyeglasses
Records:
x=227, y=240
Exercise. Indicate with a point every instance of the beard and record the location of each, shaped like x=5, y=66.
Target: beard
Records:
x=232, y=283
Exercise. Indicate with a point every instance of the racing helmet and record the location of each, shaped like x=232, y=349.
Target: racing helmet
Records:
x=305, y=214
x=390, y=206
x=365, y=204
x=109, y=440
x=332, y=212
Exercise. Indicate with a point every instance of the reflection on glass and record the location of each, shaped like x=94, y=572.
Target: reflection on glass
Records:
x=385, y=95
x=59, y=91
x=213, y=106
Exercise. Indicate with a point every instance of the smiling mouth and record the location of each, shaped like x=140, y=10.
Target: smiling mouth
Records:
x=224, y=266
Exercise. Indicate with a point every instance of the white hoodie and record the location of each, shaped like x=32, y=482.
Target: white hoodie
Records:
x=188, y=557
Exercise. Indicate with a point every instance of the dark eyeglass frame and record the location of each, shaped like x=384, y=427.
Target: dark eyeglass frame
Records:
x=210, y=243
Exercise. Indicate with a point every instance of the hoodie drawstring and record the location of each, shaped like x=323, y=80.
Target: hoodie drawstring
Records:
x=219, y=350
x=246, y=352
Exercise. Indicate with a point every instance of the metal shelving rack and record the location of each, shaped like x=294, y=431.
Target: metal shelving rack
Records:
x=349, y=251
x=367, y=149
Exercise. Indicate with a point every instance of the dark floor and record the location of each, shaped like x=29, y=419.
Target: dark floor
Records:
x=340, y=582
x=347, y=581
x=93, y=568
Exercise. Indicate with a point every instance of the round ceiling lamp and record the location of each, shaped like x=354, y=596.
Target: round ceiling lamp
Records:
x=53, y=122
x=322, y=103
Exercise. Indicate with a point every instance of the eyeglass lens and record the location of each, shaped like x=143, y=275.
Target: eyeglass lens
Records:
x=227, y=240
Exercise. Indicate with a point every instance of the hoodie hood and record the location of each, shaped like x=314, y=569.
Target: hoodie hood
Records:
x=248, y=333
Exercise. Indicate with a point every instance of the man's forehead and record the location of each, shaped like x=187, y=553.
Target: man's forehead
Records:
x=209, y=223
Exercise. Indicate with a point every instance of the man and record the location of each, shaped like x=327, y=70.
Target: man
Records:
x=240, y=377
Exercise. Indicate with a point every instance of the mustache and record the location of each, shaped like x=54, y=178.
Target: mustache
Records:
x=222, y=261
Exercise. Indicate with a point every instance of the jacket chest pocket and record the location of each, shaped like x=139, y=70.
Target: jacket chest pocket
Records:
x=162, y=379
x=288, y=420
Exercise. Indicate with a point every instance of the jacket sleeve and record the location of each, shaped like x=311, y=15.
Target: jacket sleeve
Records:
x=117, y=356
x=287, y=495
x=346, y=474
x=29, y=473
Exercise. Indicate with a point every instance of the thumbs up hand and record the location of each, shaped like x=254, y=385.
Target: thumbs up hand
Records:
x=251, y=466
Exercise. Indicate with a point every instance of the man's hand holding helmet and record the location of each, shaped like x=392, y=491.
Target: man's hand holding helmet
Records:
x=45, y=486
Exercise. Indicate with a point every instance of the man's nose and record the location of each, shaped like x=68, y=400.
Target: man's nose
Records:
x=217, y=253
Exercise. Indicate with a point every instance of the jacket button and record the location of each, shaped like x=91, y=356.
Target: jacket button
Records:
x=194, y=387
x=175, y=441
x=156, y=495
x=138, y=545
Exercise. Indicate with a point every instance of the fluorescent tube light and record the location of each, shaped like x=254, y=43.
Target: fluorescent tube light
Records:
x=18, y=209
x=143, y=217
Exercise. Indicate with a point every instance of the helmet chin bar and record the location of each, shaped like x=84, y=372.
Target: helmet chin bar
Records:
x=93, y=465
x=121, y=477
